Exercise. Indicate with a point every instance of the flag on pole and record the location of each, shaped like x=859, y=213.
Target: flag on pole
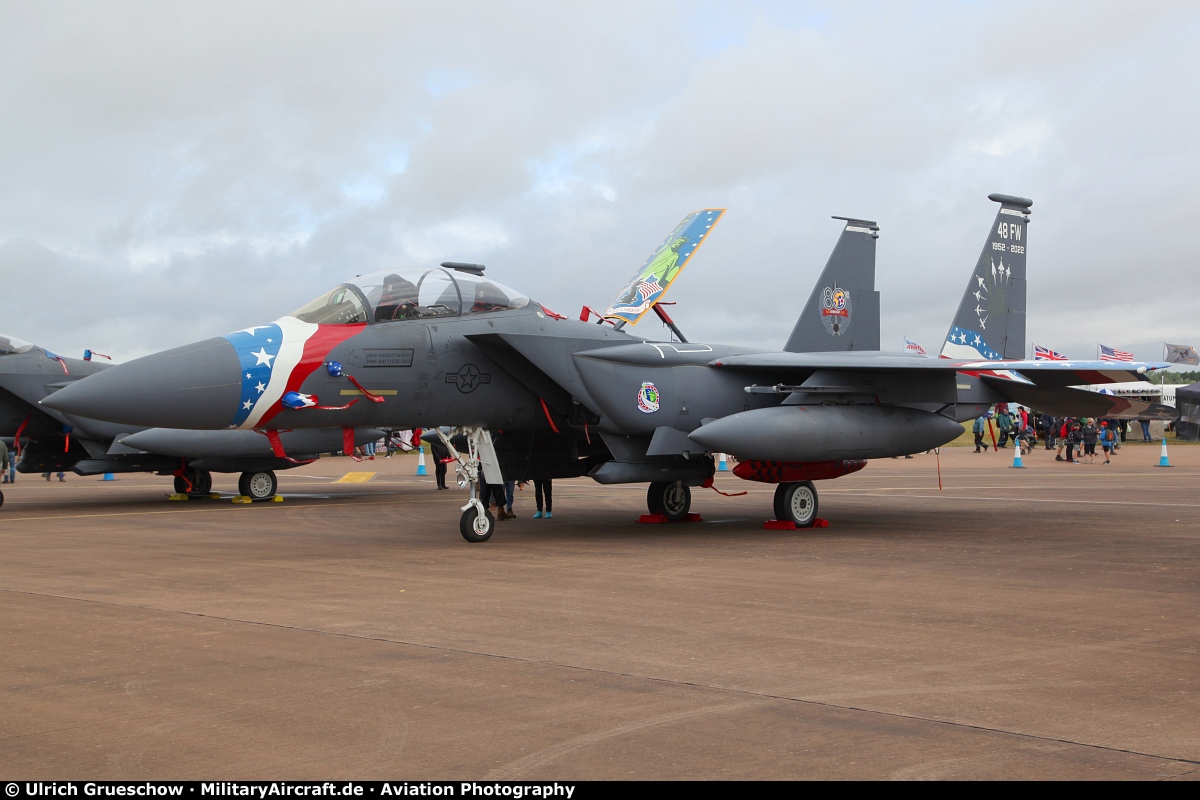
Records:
x=1182, y=354
x=1046, y=354
x=1109, y=354
x=912, y=346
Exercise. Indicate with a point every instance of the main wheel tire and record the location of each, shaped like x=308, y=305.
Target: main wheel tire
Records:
x=796, y=503
x=1, y=498
x=672, y=499
x=654, y=497
x=194, y=482
x=202, y=483
x=469, y=525
x=258, y=485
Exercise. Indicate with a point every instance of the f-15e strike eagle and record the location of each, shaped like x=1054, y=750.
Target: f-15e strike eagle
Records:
x=541, y=396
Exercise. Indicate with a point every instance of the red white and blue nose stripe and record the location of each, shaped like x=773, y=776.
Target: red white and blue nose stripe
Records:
x=268, y=354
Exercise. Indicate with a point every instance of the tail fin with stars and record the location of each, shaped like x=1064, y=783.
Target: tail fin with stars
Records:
x=990, y=323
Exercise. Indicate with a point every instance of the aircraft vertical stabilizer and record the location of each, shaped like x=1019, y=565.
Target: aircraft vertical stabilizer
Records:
x=843, y=311
x=990, y=323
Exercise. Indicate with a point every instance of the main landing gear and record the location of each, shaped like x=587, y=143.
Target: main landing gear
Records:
x=476, y=523
x=194, y=482
x=796, y=503
x=1, y=498
x=258, y=485
x=672, y=499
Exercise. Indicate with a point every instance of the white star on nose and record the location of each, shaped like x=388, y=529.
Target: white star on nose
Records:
x=260, y=387
x=263, y=357
x=246, y=405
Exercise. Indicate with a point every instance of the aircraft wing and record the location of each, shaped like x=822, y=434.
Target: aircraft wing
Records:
x=1063, y=402
x=1039, y=373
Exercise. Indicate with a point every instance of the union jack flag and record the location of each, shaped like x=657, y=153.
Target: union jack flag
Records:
x=914, y=347
x=1046, y=354
x=1109, y=354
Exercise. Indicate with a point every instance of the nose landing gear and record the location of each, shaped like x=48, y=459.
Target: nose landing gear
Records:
x=476, y=523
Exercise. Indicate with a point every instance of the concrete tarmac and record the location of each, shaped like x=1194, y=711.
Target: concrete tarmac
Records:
x=1035, y=623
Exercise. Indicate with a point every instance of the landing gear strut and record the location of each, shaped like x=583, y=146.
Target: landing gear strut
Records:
x=258, y=485
x=194, y=482
x=476, y=523
x=796, y=503
x=672, y=499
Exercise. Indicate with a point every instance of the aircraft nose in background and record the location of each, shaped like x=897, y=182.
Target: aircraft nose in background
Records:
x=195, y=386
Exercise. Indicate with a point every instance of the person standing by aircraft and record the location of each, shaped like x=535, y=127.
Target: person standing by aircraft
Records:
x=544, y=490
x=510, y=490
x=1074, y=443
x=1145, y=423
x=439, y=453
x=1049, y=429
x=1004, y=421
x=1090, y=435
x=1108, y=440
x=978, y=428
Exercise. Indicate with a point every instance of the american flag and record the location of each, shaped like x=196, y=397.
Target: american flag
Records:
x=913, y=346
x=649, y=288
x=1046, y=354
x=1108, y=354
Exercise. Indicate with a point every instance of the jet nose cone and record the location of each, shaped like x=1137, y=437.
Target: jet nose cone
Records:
x=196, y=386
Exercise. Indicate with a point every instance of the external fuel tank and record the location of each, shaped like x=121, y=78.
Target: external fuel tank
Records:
x=826, y=432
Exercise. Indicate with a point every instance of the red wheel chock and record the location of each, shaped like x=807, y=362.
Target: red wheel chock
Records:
x=660, y=519
x=788, y=525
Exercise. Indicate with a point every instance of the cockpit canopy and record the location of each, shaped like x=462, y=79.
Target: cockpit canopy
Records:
x=10, y=345
x=409, y=294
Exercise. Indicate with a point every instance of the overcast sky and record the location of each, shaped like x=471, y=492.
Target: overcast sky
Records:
x=175, y=170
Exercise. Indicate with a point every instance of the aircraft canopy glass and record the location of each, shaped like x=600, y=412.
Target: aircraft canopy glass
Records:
x=10, y=345
x=409, y=294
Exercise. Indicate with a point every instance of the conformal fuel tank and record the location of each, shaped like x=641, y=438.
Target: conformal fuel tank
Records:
x=826, y=433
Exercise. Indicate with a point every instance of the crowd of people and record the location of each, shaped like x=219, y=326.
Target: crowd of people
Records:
x=1074, y=438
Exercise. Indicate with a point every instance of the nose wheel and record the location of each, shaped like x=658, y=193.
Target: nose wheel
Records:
x=194, y=482
x=796, y=503
x=476, y=523
x=672, y=499
x=1, y=498
x=258, y=485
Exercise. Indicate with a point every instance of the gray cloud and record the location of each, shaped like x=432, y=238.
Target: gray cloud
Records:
x=173, y=171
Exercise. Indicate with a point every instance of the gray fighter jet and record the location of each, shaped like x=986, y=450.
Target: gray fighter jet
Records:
x=539, y=395
x=53, y=441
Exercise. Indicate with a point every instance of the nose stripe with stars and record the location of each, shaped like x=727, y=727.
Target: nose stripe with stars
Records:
x=268, y=354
